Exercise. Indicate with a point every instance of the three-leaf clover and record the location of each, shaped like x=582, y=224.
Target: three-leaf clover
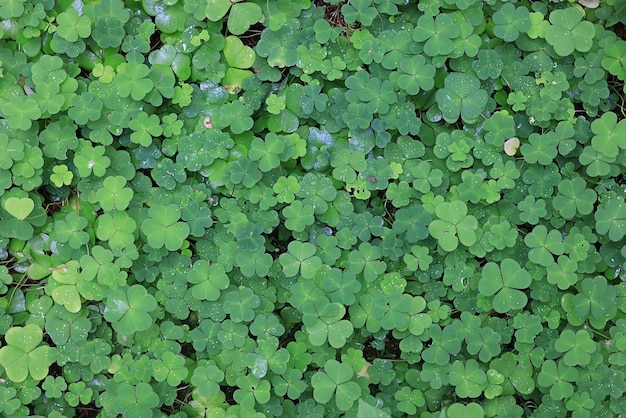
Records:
x=128, y=309
x=558, y=378
x=609, y=135
x=300, y=258
x=462, y=96
x=468, y=379
x=574, y=197
x=336, y=379
x=543, y=245
x=507, y=282
x=569, y=32
x=163, y=228
x=454, y=225
x=208, y=280
x=24, y=355
x=436, y=33
x=114, y=195
x=577, y=347
x=510, y=22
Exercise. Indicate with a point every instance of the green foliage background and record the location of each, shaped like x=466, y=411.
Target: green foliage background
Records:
x=215, y=208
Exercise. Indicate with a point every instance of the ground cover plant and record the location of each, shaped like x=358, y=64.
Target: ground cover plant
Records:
x=360, y=208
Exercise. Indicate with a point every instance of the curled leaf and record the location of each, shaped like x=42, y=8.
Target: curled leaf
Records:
x=511, y=145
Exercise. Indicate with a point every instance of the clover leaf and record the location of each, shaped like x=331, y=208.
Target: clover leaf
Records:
x=577, y=347
x=163, y=229
x=267, y=151
x=510, y=22
x=415, y=74
x=24, y=355
x=574, y=198
x=128, y=309
x=543, y=245
x=569, y=32
x=137, y=400
x=595, y=299
x=279, y=46
x=71, y=230
x=21, y=112
x=300, y=258
x=113, y=195
x=469, y=379
x=12, y=150
x=610, y=219
x=608, y=136
x=461, y=97
x=72, y=26
x=145, y=127
x=171, y=368
x=444, y=343
x=437, y=33
x=241, y=17
x=208, y=280
x=336, y=379
x=132, y=80
x=367, y=261
x=507, y=282
x=235, y=115
x=454, y=225
x=324, y=322
x=558, y=378
x=240, y=304
x=116, y=228
x=341, y=286
x=90, y=159
x=11, y=9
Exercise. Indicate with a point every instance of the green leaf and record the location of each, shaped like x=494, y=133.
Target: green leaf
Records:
x=461, y=97
x=359, y=10
x=415, y=74
x=20, y=208
x=436, y=33
x=574, y=197
x=610, y=218
x=577, y=347
x=506, y=283
x=242, y=16
x=558, y=378
x=544, y=245
x=21, y=112
x=24, y=355
x=132, y=80
x=458, y=410
x=208, y=280
x=128, y=309
x=568, y=31
x=510, y=22
x=300, y=258
x=563, y=273
x=113, y=195
x=240, y=304
x=163, y=229
x=609, y=134
x=73, y=26
x=11, y=8
x=237, y=54
x=336, y=379
x=366, y=410
x=453, y=226
x=469, y=379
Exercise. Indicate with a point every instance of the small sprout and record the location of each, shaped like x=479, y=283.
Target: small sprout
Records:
x=511, y=145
